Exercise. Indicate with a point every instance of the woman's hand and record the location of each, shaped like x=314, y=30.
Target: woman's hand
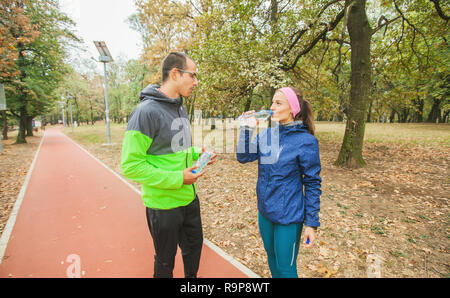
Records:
x=310, y=234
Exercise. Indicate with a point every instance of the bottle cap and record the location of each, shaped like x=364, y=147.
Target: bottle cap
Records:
x=271, y=112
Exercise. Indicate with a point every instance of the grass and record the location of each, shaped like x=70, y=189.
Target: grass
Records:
x=96, y=134
x=377, y=230
x=397, y=253
x=422, y=134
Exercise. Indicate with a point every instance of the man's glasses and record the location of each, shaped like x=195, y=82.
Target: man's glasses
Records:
x=193, y=74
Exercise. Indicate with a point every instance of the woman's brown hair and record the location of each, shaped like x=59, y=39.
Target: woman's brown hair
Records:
x=306, y=114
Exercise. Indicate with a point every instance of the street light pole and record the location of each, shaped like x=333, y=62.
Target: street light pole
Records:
x=107, y=106
x=105, y=57
x=62, y=104
x=71, y=118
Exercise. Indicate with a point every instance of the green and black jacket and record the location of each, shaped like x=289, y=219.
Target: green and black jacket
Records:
x=157, y=147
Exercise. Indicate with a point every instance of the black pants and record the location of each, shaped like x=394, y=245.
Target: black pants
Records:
x=170, y=228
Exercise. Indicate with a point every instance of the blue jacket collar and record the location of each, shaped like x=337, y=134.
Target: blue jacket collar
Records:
x=293, y=127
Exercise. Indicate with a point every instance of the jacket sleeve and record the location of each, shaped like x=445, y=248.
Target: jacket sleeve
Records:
x=247, y=151
x=310, y=167
x=136, y=167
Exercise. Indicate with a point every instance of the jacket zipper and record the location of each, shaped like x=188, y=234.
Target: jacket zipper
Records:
x=193, y=187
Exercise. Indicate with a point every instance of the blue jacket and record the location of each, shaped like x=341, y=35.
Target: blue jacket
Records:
x=288, y=159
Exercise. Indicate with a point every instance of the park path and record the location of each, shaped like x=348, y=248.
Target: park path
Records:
x=76, y=218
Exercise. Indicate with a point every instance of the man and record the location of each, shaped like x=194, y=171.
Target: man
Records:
x=157, y=152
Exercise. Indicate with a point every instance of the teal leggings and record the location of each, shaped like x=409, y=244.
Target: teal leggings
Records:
x=281, y=243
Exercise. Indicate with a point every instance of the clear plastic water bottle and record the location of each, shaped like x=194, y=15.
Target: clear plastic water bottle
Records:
x=202, y=162
x=261, y=115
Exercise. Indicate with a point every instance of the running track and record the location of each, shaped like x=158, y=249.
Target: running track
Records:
x=76, y=218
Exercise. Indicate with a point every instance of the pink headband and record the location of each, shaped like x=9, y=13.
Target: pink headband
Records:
x=292, y=99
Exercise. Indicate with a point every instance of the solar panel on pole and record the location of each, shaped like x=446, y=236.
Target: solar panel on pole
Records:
x=105, y=57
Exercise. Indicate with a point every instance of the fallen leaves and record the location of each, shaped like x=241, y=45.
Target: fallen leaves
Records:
x=323, y=252
x=322, y=270
x=14, y=164
x=396, y=208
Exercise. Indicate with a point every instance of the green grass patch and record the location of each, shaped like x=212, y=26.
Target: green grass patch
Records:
x=409, y=220
x=377, y=230
x=422, y=134
x=96, y=134
x=397, y=253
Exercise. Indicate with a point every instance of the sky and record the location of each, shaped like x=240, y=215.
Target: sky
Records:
x=104, y=20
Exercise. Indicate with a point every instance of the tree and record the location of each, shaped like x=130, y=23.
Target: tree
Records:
x=330, y=48
x=360, y=34
x=16, y=30
x=40, y=63
x=164, y=26
x=409, y=58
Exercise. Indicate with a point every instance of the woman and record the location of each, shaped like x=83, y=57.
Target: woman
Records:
x=288, y=188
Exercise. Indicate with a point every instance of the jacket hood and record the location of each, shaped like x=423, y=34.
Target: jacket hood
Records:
x=152, y=92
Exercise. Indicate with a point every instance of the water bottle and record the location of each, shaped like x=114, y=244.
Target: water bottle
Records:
x=261, y=115
x=202, y=162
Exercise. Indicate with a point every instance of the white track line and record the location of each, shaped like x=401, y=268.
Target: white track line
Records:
x=12, y=217
x=211, y=245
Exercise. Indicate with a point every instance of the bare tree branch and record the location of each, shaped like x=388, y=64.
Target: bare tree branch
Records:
x=309, y=47
x=301, y=32
x=439, y=10
x=385, y=23
x=414, y=33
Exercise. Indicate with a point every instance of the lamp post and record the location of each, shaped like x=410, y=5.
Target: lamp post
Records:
x=105, y=57
x=62, y=104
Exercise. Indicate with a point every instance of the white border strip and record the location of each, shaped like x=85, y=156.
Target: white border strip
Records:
x=6, y=234
x=211, y=245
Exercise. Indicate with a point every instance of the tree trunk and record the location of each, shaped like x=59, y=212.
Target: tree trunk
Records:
x=67, y=110
x=369, y=114
x=248, y=102
x=23, y=100
x=190, y=107
x=22, y=125
x=445, y=117
x=29, y=126
x=360, y=33
x=403, y=115
x=5, y=126
x=435, y=113
x=92, y=113
x=392, y=116
x=77, y=115
x=418, y=104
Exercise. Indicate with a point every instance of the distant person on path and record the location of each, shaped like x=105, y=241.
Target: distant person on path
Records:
x=289, y=185
x=157, y=152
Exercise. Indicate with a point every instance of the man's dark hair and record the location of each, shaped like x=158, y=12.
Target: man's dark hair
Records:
x=173, y=60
